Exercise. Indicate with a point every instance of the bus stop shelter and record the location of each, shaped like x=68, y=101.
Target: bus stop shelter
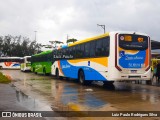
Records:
x=155, y=45
x=155, y=49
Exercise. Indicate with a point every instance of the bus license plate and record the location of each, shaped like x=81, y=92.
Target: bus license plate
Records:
x=133, y=71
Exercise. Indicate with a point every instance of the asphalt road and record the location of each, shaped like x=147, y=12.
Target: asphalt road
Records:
x=45, y=93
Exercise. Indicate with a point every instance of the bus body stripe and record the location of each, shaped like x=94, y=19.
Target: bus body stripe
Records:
x=71, y=70
x=103, y=61
x=147, y=57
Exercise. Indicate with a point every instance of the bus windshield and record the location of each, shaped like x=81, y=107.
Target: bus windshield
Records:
x=29, y=59
x=133, y=42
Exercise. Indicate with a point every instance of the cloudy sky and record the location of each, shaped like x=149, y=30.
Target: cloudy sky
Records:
x=55, y=19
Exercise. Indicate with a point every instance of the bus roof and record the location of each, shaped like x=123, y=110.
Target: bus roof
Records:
x=104, y=35
x=10, y=57
x=43, y=53
x=27, y=56
x=89, y=39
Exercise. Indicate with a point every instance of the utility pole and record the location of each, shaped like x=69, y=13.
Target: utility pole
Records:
x=67, y=36
x=103, y=26
x=35, y=35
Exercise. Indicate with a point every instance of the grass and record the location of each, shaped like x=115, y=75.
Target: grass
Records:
x=4, y=79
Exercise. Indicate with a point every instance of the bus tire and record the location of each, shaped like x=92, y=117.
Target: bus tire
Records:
x=35, y=71
x=57, y=73
x=81, y=77
x=44, y=71
x=108, y=83
x=148, y=82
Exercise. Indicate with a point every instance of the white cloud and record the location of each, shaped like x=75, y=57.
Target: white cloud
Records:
x=54, y=19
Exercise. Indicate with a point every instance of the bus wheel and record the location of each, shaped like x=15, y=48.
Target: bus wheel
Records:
x=44, y=71
x=107, y=83
x=57, y=74
x=81, y=77
x=33, y=69
x=148, y=82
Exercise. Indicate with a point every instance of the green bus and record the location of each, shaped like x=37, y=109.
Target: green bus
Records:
x=41, y=63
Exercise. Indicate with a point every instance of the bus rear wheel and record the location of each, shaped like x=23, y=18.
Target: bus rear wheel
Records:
x=108, y=82
x=57, y=73
x=44, y=71
x=34, y=71
x=81, y=78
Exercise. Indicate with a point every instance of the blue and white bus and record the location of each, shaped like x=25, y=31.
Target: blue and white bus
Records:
x=10, y=62
x=113, y=56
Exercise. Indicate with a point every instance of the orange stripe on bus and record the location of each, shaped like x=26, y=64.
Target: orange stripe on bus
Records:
x=103, y=60
x=59, y=66
x=129, y=51
x=147, y=58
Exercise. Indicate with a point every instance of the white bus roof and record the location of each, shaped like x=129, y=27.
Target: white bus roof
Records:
x=27, y=56
x=10, y=57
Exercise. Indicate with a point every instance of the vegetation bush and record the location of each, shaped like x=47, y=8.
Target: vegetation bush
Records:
x=4, y=79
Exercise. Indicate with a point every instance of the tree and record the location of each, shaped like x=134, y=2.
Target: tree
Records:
x=1, y=44
x=18, y=46
x=54, y=44
x=71, y=40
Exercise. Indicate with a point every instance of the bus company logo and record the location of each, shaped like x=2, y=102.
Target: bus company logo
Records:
x=7, y=63
x=6, y=114
x=122, y=53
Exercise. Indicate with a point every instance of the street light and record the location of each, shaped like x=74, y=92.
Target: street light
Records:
x=103, y=26
x=35, y=35
x=67, y=36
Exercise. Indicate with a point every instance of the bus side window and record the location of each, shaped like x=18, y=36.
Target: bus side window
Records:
x=92, y=49
x=59, y=52
x=81, y=50
x=48, y=57
x=98, y=48
x=64, y=53
x=74, y=52
x=105, y=47
x=77, y=52
x=70, y=51
x=40, y=59
x=87, y=49
x=12, y=60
